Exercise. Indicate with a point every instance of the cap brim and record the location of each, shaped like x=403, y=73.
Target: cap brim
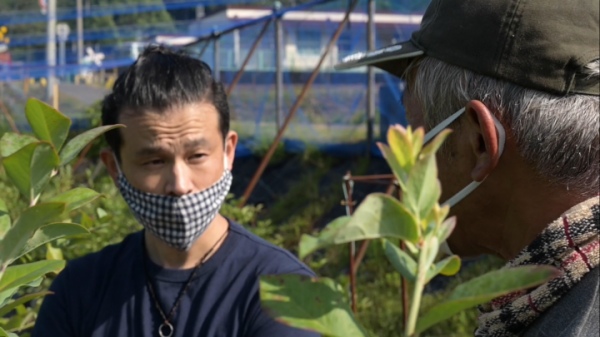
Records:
x=393, y=59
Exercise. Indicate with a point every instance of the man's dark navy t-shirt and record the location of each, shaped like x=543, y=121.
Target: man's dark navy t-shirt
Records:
x=105, y=294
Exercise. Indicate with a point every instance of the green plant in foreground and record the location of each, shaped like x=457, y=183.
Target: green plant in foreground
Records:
x=30, y=163
x=320, y=305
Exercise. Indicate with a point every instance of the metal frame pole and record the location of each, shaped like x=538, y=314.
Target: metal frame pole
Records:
x=352, y=245
x=240, y=72
x=79, y=31
x=294, y=109
x=279, y=116
x=51, y=48
x=217, y=58
x=370, y=76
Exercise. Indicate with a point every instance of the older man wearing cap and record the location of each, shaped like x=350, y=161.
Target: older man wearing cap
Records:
x=518, y=81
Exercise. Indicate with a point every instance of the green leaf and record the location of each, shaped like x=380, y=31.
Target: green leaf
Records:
x=4, y=220
x=486, y=288
x=47, y=123
x=80, y=141
x=417, y=140
x=30, y=220
x=30, y=168
x=16, y=276
x=311, y=304
x=401, y=261
x=399, y=171
x=4, y=310
x=447, y=267
x=50, y=233
x=446, y=229
x=53, y=253
x=6, y=296
x=12, y=142
x=7, y=334
x=76, y=198
x=402, y=146
x=378, y=216
x=422, y=189
x=435, y=143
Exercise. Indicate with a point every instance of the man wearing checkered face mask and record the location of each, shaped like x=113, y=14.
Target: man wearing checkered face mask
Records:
x=191, y=271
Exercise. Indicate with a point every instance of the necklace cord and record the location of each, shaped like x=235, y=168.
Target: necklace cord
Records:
x=185, y=288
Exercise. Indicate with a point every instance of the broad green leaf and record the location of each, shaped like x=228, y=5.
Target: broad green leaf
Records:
x=80, y=141
x=4, y=310
x=417, y=140
x=4, y=220
x=30, y=220
x=53, y=253
x=6, y=296
x=30, y=168
x=51, y=232
x=446, y=229
x=47, y=123
x=378, y=216
x=447, y=267
x=401, y=261
x=399, y=171
x=486, y=288
x=411, y=247
x=12, y=142
x=7, y=334
x=311, y=304
x=422, y=189
x=401, y=146
x=21, y=274
x=76, y=198
x=435, y=143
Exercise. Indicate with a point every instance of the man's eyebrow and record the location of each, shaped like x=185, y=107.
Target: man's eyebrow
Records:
x=149, y=151
x=194, y=143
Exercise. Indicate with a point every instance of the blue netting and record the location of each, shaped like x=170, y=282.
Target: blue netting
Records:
x=332, y=117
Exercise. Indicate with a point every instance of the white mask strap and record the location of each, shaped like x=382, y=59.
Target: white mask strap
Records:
x=117, y=162
x=472, y=186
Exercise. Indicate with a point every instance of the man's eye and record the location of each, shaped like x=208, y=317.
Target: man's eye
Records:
x=154, y=162
x=197, y=156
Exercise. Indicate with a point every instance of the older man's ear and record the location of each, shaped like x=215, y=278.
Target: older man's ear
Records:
x=483, y=139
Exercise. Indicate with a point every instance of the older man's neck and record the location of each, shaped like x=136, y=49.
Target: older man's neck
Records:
x=530, y=213
x=167, y=257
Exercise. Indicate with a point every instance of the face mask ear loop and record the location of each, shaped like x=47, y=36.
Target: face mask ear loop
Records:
x=117, y=162
x=472, y=186
x=429, y=136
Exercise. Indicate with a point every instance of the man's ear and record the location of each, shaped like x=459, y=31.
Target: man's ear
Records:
x=483, y=138
x=111, y=164
x=231, y=143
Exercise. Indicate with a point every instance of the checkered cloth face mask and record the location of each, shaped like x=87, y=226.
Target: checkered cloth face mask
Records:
x=178, y=221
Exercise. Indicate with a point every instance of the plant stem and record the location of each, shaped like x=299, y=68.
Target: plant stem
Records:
x=415, y=303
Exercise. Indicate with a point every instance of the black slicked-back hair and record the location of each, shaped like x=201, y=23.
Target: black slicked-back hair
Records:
x=158, y=80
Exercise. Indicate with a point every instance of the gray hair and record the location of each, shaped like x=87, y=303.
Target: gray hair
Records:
x=557, y=135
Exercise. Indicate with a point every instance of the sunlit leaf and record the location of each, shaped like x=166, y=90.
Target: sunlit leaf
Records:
x=30, y=220
x=399, y=171
x=446, y=229
x=80, y=141
x=21, y=274
x=422, y=189
x=311, y=304
x=4, y=219
x=7, y=334
x=12, y=142
x=401, y=261
x=53, y=253
x=417, y=140
x=401, y=146
x=378, y=216
x=47, y=123
x=30, y=168
x=50, y=233
x=4, y=310
x=486, y=288
x=447, y=267
x=76, y=198
x=435, y=143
